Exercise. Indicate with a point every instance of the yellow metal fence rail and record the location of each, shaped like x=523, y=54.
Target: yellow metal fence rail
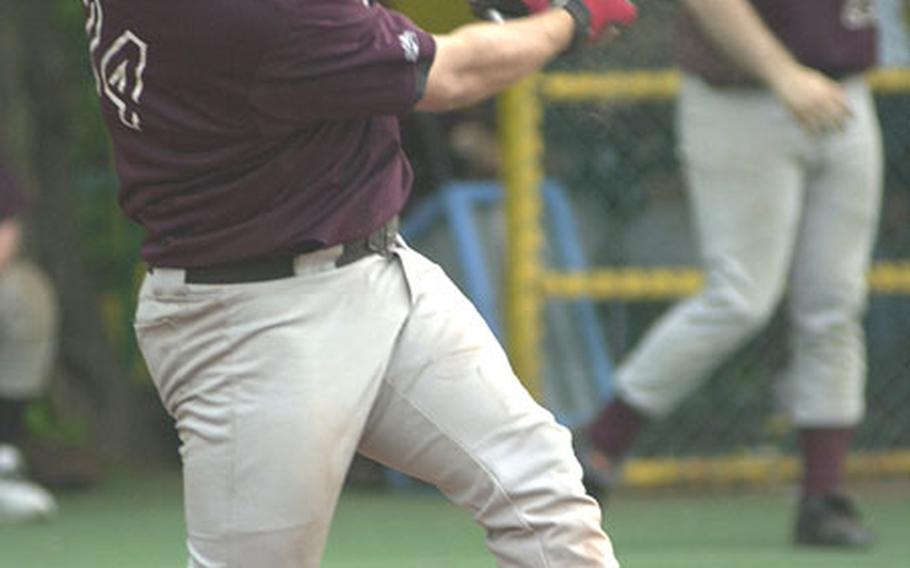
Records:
x=663, y=84
x=633, y=283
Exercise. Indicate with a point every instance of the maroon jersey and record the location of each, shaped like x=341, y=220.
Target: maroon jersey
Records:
x=246, y=128
x=12, y=200
x=837, y=37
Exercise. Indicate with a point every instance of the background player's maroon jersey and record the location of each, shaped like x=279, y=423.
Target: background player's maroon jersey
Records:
x=244, y=128
x=837, y=37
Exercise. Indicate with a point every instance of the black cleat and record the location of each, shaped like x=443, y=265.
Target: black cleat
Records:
x=831, y=520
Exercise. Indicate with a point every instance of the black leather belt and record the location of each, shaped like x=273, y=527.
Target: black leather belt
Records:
x=381, y=242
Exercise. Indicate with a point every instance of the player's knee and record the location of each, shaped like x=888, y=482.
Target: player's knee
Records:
x=743, y=311
x=737, y=299
x=549, y=471
x=753, y=315
x=830, y=315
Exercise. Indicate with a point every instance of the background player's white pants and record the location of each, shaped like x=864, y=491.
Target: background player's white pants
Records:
x=275, y=385
x=28, y=330
x=775, y=207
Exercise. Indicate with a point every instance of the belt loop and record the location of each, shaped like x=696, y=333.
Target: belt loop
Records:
x=317, y=261
x=168, y=281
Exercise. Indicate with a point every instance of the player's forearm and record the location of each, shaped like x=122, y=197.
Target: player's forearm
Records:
x=479, y=60
x=737, y=30
x=9, y=241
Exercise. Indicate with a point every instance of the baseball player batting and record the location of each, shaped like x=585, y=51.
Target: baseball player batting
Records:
x=781, y=149
x=285, y=324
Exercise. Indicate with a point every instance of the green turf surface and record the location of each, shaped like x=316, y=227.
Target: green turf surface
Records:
x=136, y=523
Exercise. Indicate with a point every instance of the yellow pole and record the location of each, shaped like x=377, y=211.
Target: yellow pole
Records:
x=522, y=148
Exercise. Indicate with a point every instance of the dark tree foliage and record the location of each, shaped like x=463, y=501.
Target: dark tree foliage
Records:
x=51, y=128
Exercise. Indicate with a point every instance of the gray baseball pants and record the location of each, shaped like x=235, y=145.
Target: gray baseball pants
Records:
x=275, y=385
x=775, y=209
x=28, y=330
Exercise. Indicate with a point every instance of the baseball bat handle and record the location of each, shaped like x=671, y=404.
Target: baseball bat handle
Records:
x=494, y=16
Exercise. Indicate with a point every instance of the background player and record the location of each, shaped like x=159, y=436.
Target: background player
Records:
x=781, y=148
x=28, y=336
x=284, y=323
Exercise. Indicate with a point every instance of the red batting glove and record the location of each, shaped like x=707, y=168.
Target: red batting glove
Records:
x=594, y=17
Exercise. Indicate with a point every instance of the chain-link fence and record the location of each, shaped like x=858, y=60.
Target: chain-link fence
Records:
x=605, y=120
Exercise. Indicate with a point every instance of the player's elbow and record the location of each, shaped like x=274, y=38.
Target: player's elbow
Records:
x=450, y=84
x=444, y=94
